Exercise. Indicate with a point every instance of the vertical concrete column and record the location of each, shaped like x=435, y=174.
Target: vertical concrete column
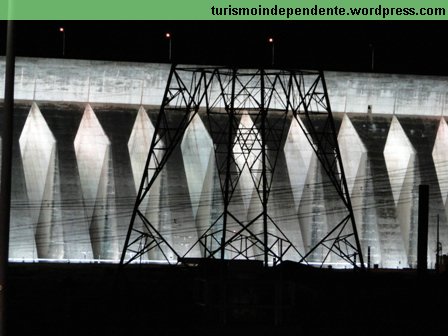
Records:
x=198, y=158
x=138, y=147
x=93, y=155
x=39, y=157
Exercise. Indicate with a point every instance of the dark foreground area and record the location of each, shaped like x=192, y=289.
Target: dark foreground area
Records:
x=215, y=298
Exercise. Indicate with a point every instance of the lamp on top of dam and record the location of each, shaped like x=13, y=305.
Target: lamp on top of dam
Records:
x=271, y=42
x=168, y=36
x=62, y=30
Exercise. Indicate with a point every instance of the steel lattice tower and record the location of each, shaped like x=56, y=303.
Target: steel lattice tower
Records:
x=269, y=97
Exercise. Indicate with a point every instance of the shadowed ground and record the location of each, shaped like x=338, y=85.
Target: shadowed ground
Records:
x=215, y=298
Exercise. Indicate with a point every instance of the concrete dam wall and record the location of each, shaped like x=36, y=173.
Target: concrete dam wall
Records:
x=83, y=129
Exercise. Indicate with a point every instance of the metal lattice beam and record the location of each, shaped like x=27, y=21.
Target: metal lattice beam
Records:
x=247, y=140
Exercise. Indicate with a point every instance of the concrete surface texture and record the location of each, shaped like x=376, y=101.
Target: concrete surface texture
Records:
x=83, y=130
x=63, y=80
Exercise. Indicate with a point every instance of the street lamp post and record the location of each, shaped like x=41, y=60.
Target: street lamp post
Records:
x=62, y=30
x=168, y=36
x=372, y=55
x=271, y=41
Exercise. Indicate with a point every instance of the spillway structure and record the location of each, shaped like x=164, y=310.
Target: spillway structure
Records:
x=247, y=113
x=83, y=130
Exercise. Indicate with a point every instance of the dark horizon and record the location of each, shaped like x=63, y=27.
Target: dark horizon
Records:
x=411, y=47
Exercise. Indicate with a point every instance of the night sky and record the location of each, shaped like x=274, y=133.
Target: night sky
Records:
x=414, y=47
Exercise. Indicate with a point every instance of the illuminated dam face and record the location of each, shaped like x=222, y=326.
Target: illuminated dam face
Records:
x=83, y=130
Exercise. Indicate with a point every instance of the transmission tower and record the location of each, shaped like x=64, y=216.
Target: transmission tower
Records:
x=247, y=113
